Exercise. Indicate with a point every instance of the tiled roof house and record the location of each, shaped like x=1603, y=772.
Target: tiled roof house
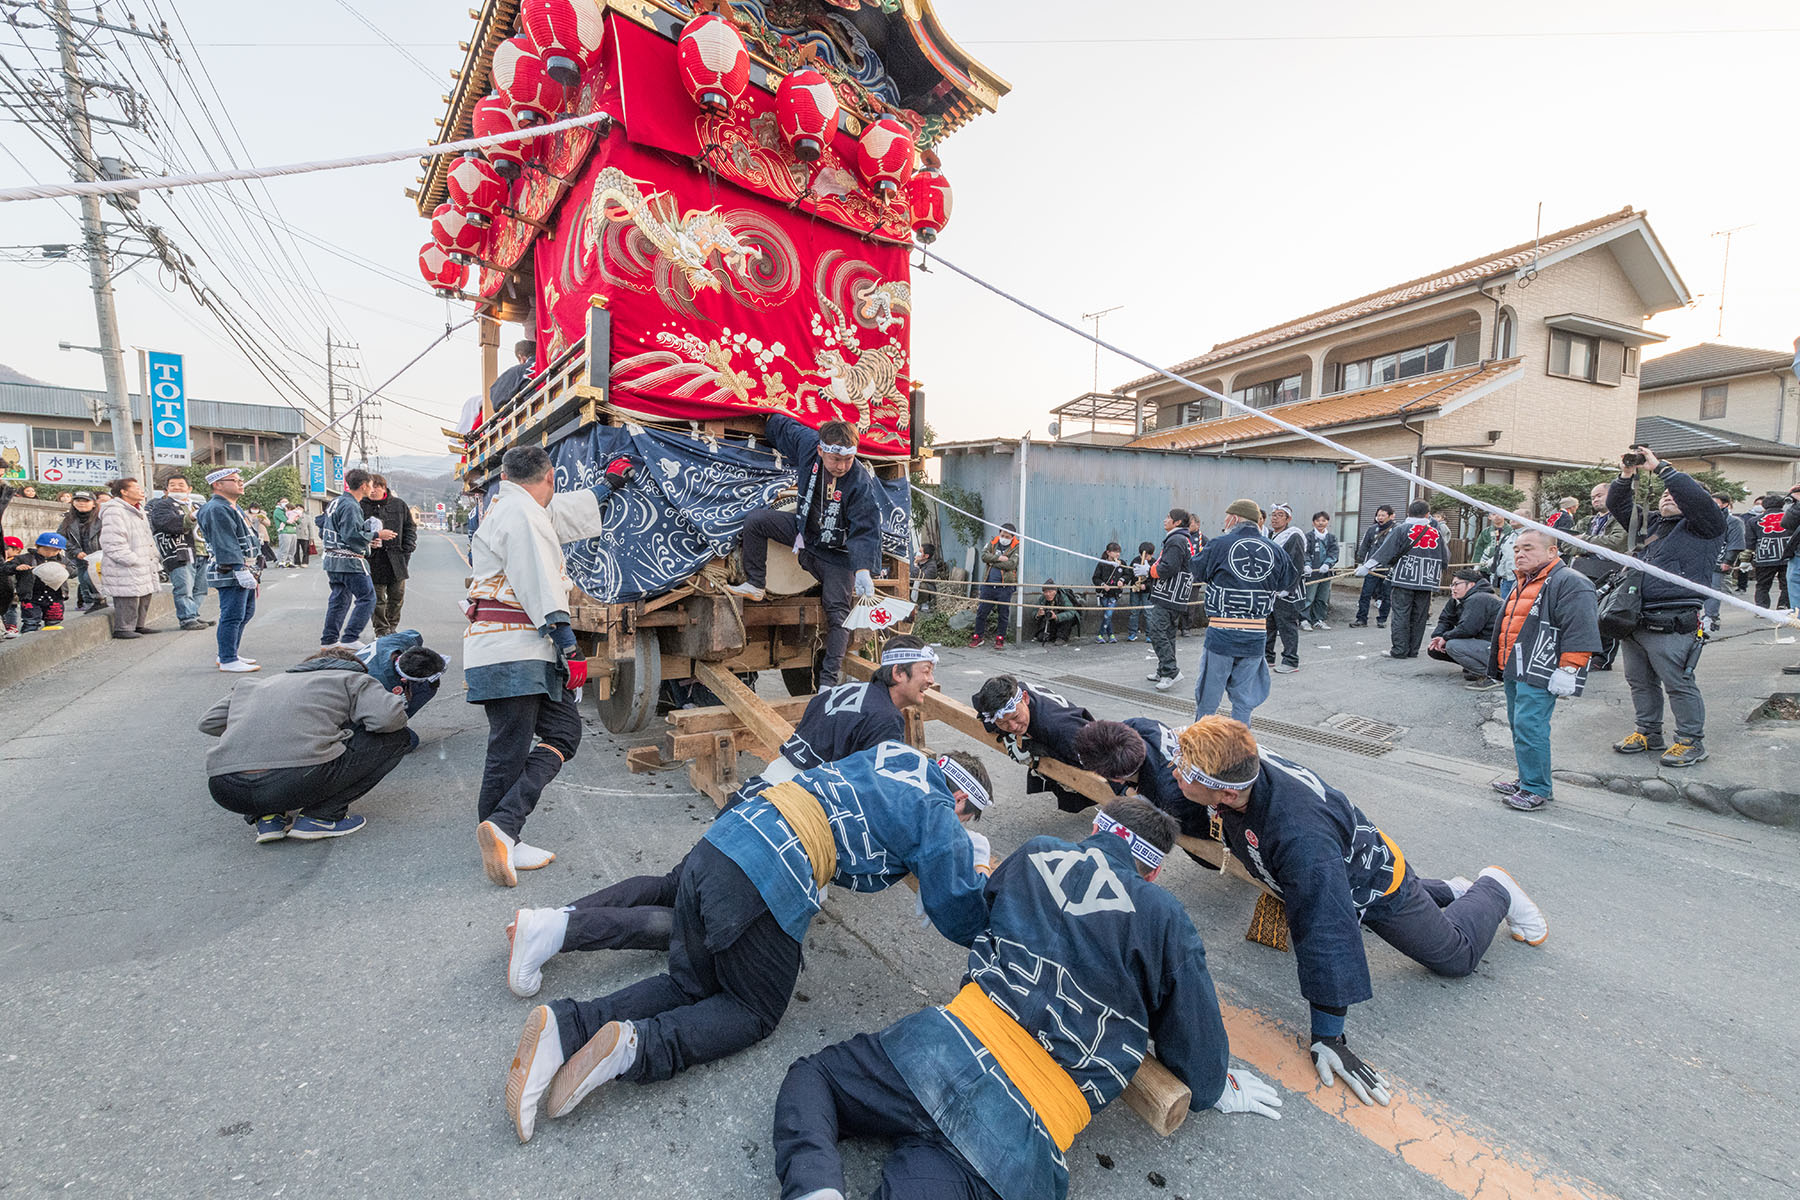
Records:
x=1499, y=369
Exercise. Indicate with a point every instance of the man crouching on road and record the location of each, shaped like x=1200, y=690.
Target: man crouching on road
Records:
x=520, y=660
x=1084, y=962
x=1337, y=872
x=340, y=733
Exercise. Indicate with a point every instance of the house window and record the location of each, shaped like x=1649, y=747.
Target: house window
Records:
x=1712, y=402
x=1197, y=410
x=1503, y=334
x=240, y=452
x=1346, y=519
x=1486, y=475
x=1285, y=390
x=1572, y=355
x=1403, y=364
x=56, y=439
x=1630, y=366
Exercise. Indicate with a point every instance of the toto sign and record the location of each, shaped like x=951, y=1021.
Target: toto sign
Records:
x=168, y=408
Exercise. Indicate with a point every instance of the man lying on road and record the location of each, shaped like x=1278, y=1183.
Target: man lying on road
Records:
x=1084, y=962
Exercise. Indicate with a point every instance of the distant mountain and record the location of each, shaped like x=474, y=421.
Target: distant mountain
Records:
x=423, y=491
x=8, y=375
x=418, y=464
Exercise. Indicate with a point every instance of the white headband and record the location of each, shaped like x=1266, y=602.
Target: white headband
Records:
x=900, y=655
x=962, y=781
x=1196, y=775
x=826, y=448
x=417, y=678
x=1141, y=850
x=1007, y=709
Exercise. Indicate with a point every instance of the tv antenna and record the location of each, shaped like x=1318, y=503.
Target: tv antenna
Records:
x=1724, y=272
x=1095, y=318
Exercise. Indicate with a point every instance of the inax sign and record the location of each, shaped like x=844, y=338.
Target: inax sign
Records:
x=168, y=407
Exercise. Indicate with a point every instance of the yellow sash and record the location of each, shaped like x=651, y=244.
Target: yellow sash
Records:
x=1399, y=865
x=1058, y=1103
x=806, y=817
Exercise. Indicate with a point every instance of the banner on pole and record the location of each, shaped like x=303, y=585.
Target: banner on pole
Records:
x=168, y=410
x=337, y=473
x=315, y=470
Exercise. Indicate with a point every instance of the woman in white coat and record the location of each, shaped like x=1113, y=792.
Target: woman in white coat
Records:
x=129, y=561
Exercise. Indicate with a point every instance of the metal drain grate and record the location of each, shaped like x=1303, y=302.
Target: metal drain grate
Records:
x=1369, y=727
x=1141, y=698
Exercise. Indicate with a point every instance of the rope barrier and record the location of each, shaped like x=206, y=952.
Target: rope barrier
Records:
x=1776, y=616
x=114, y=187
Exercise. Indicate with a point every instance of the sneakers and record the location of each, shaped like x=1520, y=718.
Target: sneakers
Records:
x=496, y=854
x=1709, y=625
x=1793, y=670
x=1482, y=683
x=1523, y=918
x=1153, y=676
x=999, y=642
x=1381, y=624
x=1167, y=682
x=1286, y=669
x=748, y=591
x=12, y=631
x=1359, y=625
x=309, y=829
x=120, y=633
x=975, y=642
x=1638, y=743
x=1306, y=626
x=193, y=624
x=1684, y=754
x=1505, y=787
x=608, y=1055
x=534, y=1065
x=530, y=858
x=1132, y=637
x=1524, y=801
x=1321, y=627
x=272, y=828
x=238, y=665
x=537, y=936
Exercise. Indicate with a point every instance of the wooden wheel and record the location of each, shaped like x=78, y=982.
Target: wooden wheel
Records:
x=636, y=683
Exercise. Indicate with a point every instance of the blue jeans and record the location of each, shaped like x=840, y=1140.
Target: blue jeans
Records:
x=236, y=606
x=188, y=582
x=1793, y=578
x=1505, y=587
x=1318, y=601
x=352, y=600
x=1245, y=680
x=1107, y=604
x=1375, y=589
x=1136, y=608
x=1528, y=710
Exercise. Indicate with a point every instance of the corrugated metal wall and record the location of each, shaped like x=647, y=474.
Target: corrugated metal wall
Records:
x=1083, y=497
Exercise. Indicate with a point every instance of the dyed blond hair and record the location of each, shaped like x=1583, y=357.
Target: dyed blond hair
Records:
x=1221, y=747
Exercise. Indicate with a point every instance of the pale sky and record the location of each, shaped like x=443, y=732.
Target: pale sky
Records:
x=1215, y=170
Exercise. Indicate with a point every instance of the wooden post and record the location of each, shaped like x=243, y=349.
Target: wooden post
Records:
x=488, y=331
x=767, y=724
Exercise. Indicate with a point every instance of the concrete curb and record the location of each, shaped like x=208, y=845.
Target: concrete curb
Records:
x=1770, y=806
x=34, y=653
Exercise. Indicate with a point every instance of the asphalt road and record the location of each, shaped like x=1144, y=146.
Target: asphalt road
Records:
x=186, y=1013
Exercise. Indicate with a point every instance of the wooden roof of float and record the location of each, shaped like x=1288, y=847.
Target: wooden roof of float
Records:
x=929, y=73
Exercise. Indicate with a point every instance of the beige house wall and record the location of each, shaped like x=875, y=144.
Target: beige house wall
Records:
x=1758, y=405
x=1759, y=475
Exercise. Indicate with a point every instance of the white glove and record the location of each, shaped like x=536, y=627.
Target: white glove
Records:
x=865, y=586
x=1364, y=569
x=1332, y=1057
x=1562, y=682
x=1140, y=569
x=244, y=579
x=799, y=542
x=984, y=849
x=1245, y=1093
x=372, y=526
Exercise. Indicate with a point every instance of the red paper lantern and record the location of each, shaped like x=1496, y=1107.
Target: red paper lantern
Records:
x=524, y=81
x=445, y=276
x=885, y=154
x=928, y=196
x=477, y=188
x=715, y=67
x=806, y=105
x=492, y=115
x=567, y=35
x=456, y=234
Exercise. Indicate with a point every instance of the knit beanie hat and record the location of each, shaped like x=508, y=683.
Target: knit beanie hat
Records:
x=1246, y=509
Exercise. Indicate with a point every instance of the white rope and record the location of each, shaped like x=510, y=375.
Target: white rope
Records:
x=995, y=525
x=435, y=343
x=112, y=187
x=1777, y=616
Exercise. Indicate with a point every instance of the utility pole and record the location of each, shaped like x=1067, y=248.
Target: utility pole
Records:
x=93, y=234
x=332, y=393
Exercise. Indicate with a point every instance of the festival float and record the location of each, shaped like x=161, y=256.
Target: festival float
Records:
x=731, y=240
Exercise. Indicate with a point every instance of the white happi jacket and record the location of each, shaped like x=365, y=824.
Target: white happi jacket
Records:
x=516, y=564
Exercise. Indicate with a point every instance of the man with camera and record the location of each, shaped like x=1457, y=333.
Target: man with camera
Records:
x=1683, y=536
